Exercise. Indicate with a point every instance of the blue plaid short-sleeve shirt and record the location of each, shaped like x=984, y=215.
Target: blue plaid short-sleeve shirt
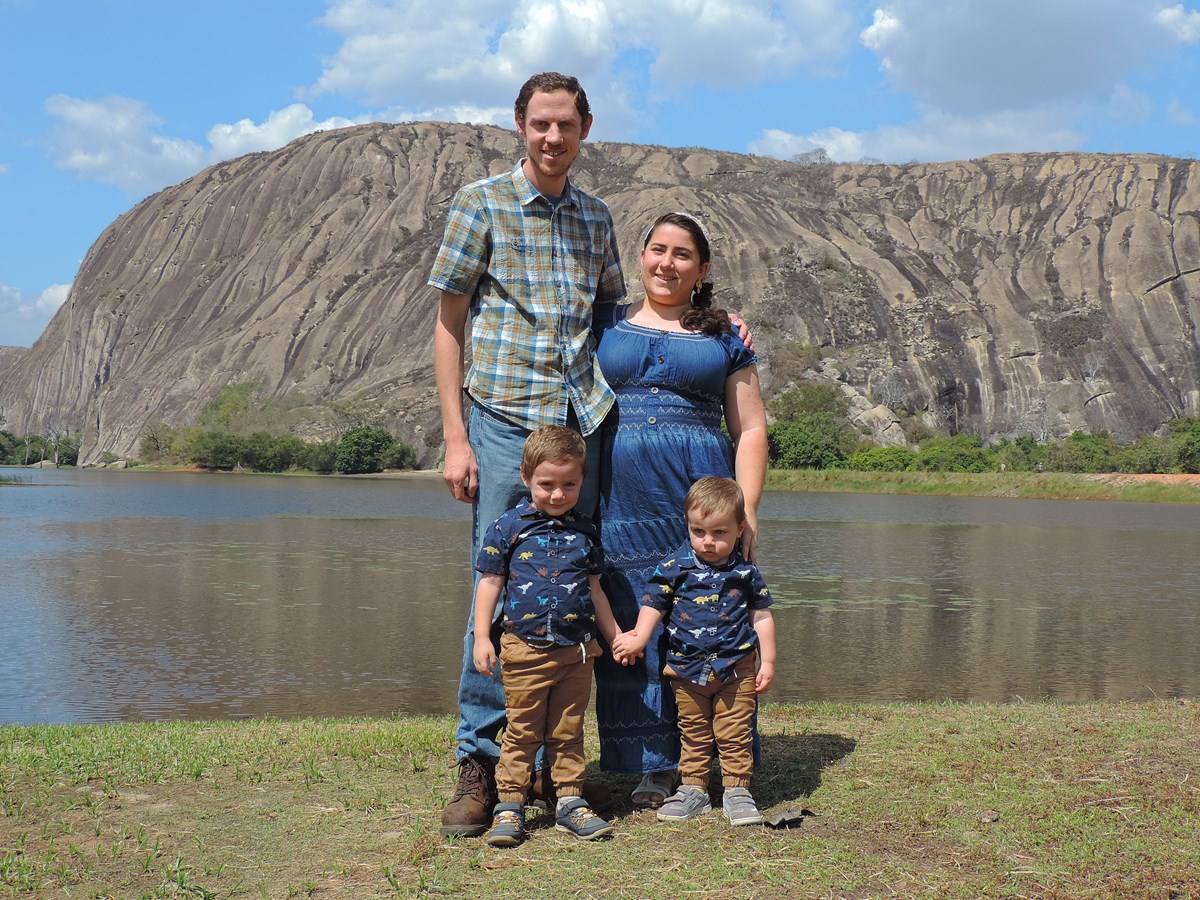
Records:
x=533, y=271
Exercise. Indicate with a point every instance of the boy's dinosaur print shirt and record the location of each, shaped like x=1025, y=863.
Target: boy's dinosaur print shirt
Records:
x=708, y=612
x=546, y=563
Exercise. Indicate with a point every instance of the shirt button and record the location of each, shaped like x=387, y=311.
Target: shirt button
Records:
x=654, y=390
x=652, y=420
x=661, y=360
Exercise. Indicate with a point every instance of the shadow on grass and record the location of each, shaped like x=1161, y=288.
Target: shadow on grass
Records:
x=790, y=770
x=792, y=765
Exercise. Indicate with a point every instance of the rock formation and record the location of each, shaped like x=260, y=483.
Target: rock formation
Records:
x=1036, y=293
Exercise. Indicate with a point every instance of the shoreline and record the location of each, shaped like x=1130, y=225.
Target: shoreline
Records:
x=1137, y=488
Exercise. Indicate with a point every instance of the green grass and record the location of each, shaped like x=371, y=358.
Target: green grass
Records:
x=905, y=800
x=1026, y=485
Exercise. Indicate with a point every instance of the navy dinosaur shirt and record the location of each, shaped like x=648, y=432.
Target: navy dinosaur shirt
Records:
x=546, y=562
x=707, y=611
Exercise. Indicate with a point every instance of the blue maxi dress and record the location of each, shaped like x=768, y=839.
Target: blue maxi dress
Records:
x=663, y=434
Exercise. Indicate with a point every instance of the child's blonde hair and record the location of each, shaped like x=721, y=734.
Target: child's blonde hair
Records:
x=553, y=443
x=712, y=494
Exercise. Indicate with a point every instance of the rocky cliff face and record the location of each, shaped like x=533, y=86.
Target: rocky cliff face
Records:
x=1013, y=293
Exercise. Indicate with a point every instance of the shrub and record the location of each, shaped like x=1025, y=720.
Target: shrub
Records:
x=362, y=449
x=216, y=450
x=400, y=456
x=959, y=453
x=814, y=441
x=882, y=459
x=1081, y=452
x=320, y=457
x=1147, y=455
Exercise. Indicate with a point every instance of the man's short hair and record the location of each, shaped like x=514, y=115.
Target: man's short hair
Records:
x=548, y=83
x=713, y=495
x=553, y=443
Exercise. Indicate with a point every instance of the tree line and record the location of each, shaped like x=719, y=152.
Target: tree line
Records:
x=812, y=430
x=243, y=429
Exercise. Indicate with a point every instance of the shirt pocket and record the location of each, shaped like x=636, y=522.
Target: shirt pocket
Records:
x=583, y=262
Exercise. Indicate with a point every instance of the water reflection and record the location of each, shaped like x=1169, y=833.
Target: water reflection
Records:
x=131, y=596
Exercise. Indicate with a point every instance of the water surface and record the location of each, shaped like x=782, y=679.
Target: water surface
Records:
x=133, y=596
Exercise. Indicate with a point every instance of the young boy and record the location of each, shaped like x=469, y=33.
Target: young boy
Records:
x=717, y=605
x=545, y=559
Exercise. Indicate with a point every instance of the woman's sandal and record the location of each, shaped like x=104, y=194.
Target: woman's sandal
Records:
x=655, y=788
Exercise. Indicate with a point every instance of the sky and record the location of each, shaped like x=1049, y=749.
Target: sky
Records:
x=105, y=102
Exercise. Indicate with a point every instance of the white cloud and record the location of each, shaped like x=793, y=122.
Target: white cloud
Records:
x=980, y=56
x=466, y=58
x=1130, y=105
x=729, y=43
x=840, y=145
x=936, y=136
x=1182, y=23
x=49, y=300
x=281, y=127
x=3, y=168
x=1178, y=114
x=115, y=140
x=23, y=318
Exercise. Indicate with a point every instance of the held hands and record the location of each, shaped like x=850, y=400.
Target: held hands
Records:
x=628, y=648
x=484, y=656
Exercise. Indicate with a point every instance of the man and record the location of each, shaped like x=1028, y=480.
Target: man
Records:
x=525, y=256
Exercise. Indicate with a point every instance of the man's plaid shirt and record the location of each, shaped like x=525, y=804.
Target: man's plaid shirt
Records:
x=533, y=273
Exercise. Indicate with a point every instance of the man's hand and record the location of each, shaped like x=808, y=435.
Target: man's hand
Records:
x=743, y=330
x=461, y=472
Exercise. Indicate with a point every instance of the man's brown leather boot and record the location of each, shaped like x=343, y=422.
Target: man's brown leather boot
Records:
x=469, y=812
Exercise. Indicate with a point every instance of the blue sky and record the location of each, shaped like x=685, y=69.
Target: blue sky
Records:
x=104, y=103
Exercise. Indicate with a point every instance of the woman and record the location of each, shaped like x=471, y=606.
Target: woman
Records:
x=677, y=370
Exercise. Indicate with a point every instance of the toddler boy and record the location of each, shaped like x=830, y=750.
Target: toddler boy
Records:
x=717, y=606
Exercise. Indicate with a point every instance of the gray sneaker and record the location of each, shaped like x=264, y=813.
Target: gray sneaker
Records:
x=740, y=807
x=686, y=803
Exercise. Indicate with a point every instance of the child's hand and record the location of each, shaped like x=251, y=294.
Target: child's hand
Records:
x=765, y=678
x=626, y=659
x=628, y=648
x=484, y=657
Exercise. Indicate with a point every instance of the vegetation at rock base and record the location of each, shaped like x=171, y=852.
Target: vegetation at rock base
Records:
x=923, y=800
x=811, y=429
x=242, y=428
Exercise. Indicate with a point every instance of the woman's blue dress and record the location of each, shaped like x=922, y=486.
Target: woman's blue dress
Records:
x=662, y=435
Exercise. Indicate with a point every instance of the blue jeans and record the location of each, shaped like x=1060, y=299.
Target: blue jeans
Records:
x=497, y=444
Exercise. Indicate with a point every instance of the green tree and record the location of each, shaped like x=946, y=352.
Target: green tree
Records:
x=65, y=449
x=320, y=457
x=400, y=456
x=362, y=450
x=809, y=399
x=959, y=453
x=882, y=459
x=216, y=450
x=813, y=441
x=1081, y=452
x=1185, y=443
x=9, y=443
x=232, y=402
x=158, y=442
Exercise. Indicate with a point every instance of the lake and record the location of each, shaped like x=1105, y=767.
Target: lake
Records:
x=133, y=596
